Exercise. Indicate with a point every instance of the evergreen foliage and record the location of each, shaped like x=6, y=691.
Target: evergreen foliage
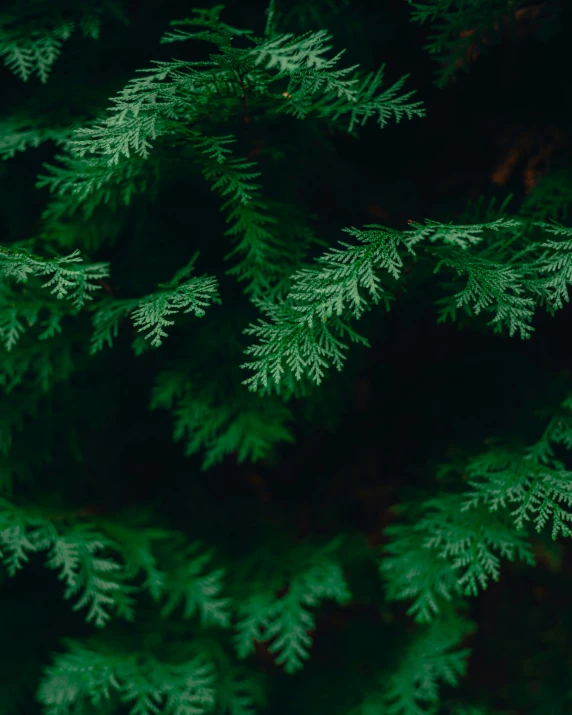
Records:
x=31, y=38
x=139, y=444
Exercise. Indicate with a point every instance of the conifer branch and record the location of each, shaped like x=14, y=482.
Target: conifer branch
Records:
x=66, y=277
x=299, y=334
x=262, y=616
x=152, y=312
x=91, y=675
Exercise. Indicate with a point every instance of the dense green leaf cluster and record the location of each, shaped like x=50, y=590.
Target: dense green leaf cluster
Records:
x=177, y=616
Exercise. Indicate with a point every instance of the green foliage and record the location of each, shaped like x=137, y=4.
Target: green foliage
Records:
x=151, y=312
x=301, y=334
x=183, y=631
x=85, y=675
x=75, y=552
x=31, y=38
x=35, y=53
x=448, y=552
x=531, y=478
x=172, y=103
x=173, y=94
x=94, y=676
x=342, y=91
x=196, y=591
x=66, y=278
x=17, y=134
x=175, y=570
x=455, y=547
x=550, y=198
x=263, y=616
x=97, y=563
x=256, y=223
x=220, y=422
x=83, y=185
x=19, y=307
x=432, y=658
x=304, y=332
